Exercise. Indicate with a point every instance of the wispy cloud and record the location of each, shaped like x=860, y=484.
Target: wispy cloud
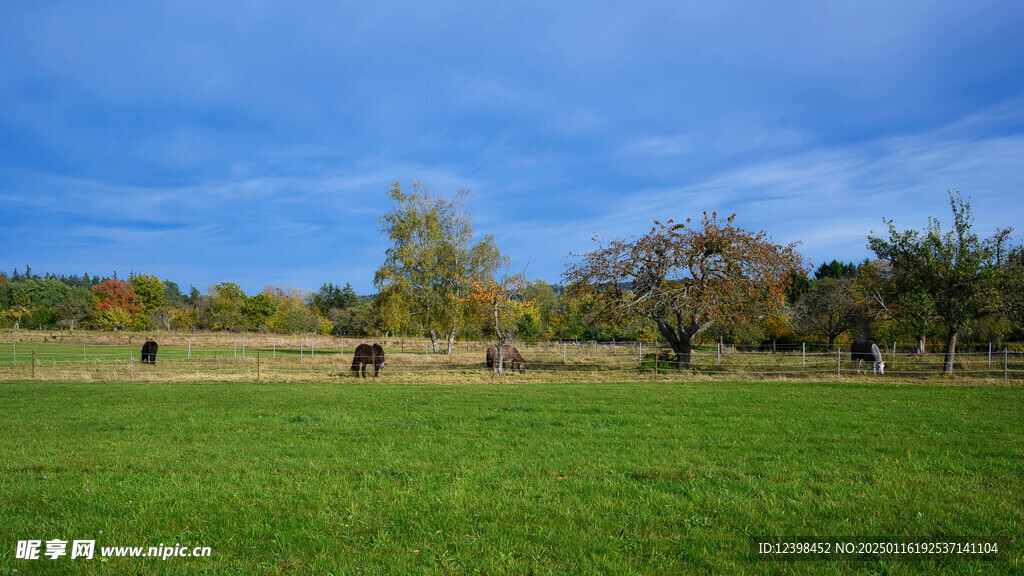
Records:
x=256, y=144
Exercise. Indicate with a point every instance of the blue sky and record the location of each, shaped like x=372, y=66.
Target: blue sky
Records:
x=254, y=142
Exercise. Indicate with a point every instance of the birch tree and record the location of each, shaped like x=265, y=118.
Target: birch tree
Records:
x=431, y=255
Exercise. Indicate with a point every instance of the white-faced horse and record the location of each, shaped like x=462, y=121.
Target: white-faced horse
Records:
x=867, y=351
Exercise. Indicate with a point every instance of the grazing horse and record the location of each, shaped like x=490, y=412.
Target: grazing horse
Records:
x=509, y=355
x=866, y=350
x=366, y=354
x=149, y=352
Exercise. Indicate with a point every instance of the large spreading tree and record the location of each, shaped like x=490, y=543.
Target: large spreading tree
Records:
x=686, y=278
x=953, y=273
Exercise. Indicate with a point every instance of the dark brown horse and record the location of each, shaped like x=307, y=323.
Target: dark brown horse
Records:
x=366, y=354
x=149, y=352
x=509, y=355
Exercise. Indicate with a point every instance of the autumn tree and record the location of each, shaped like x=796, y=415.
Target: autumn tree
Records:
x=500, y=294
x=114, y=304
x=950, y=274
x=687, y=278
x=431, y=255
x=829, y=308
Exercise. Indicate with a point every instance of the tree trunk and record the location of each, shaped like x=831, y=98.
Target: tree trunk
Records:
x=920, y=343
x=433, y=341
x=947, y=363
x=681, y=340
x=683, y=351
x=451, y=340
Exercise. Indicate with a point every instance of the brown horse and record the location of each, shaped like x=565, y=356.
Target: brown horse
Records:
x=509, y=355
x=149, y=352
x=366, y=354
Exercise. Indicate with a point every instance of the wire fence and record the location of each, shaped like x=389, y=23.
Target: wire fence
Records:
x=545, y=361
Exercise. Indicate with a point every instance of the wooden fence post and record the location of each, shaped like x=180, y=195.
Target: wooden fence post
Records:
x=33, y=364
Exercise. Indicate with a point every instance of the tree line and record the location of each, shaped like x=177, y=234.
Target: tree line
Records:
x=683, y=283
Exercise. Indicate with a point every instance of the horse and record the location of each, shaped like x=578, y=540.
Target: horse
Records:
x=366, y=354
x=149, y=352
x=866, y=350
x=509, y=355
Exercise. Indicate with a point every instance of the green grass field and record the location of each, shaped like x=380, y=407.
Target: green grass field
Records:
x=516, y=478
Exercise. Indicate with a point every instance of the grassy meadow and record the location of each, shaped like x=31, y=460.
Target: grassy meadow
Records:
x=516, y=477
x=186, y=357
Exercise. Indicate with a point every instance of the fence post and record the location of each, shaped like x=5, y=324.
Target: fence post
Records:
x=189, y=355
x=243, y=349
x=131, y=365
x=14, y=354
x=563, y=352
x=426, y=352
x=312, y=347
x=719, y=352
x=274, y=353
x=803, y=354
x=257, y=365
x=33, y=364
x=990, y=355
x=1006, y=366
x=640, y=355
x=343, y=345
x=656, y=363
x=300, y=352
x=83, y=352
x=839, y=361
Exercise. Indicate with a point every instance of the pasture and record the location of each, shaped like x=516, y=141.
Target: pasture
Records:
x=516, y=477
x=90, y=356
